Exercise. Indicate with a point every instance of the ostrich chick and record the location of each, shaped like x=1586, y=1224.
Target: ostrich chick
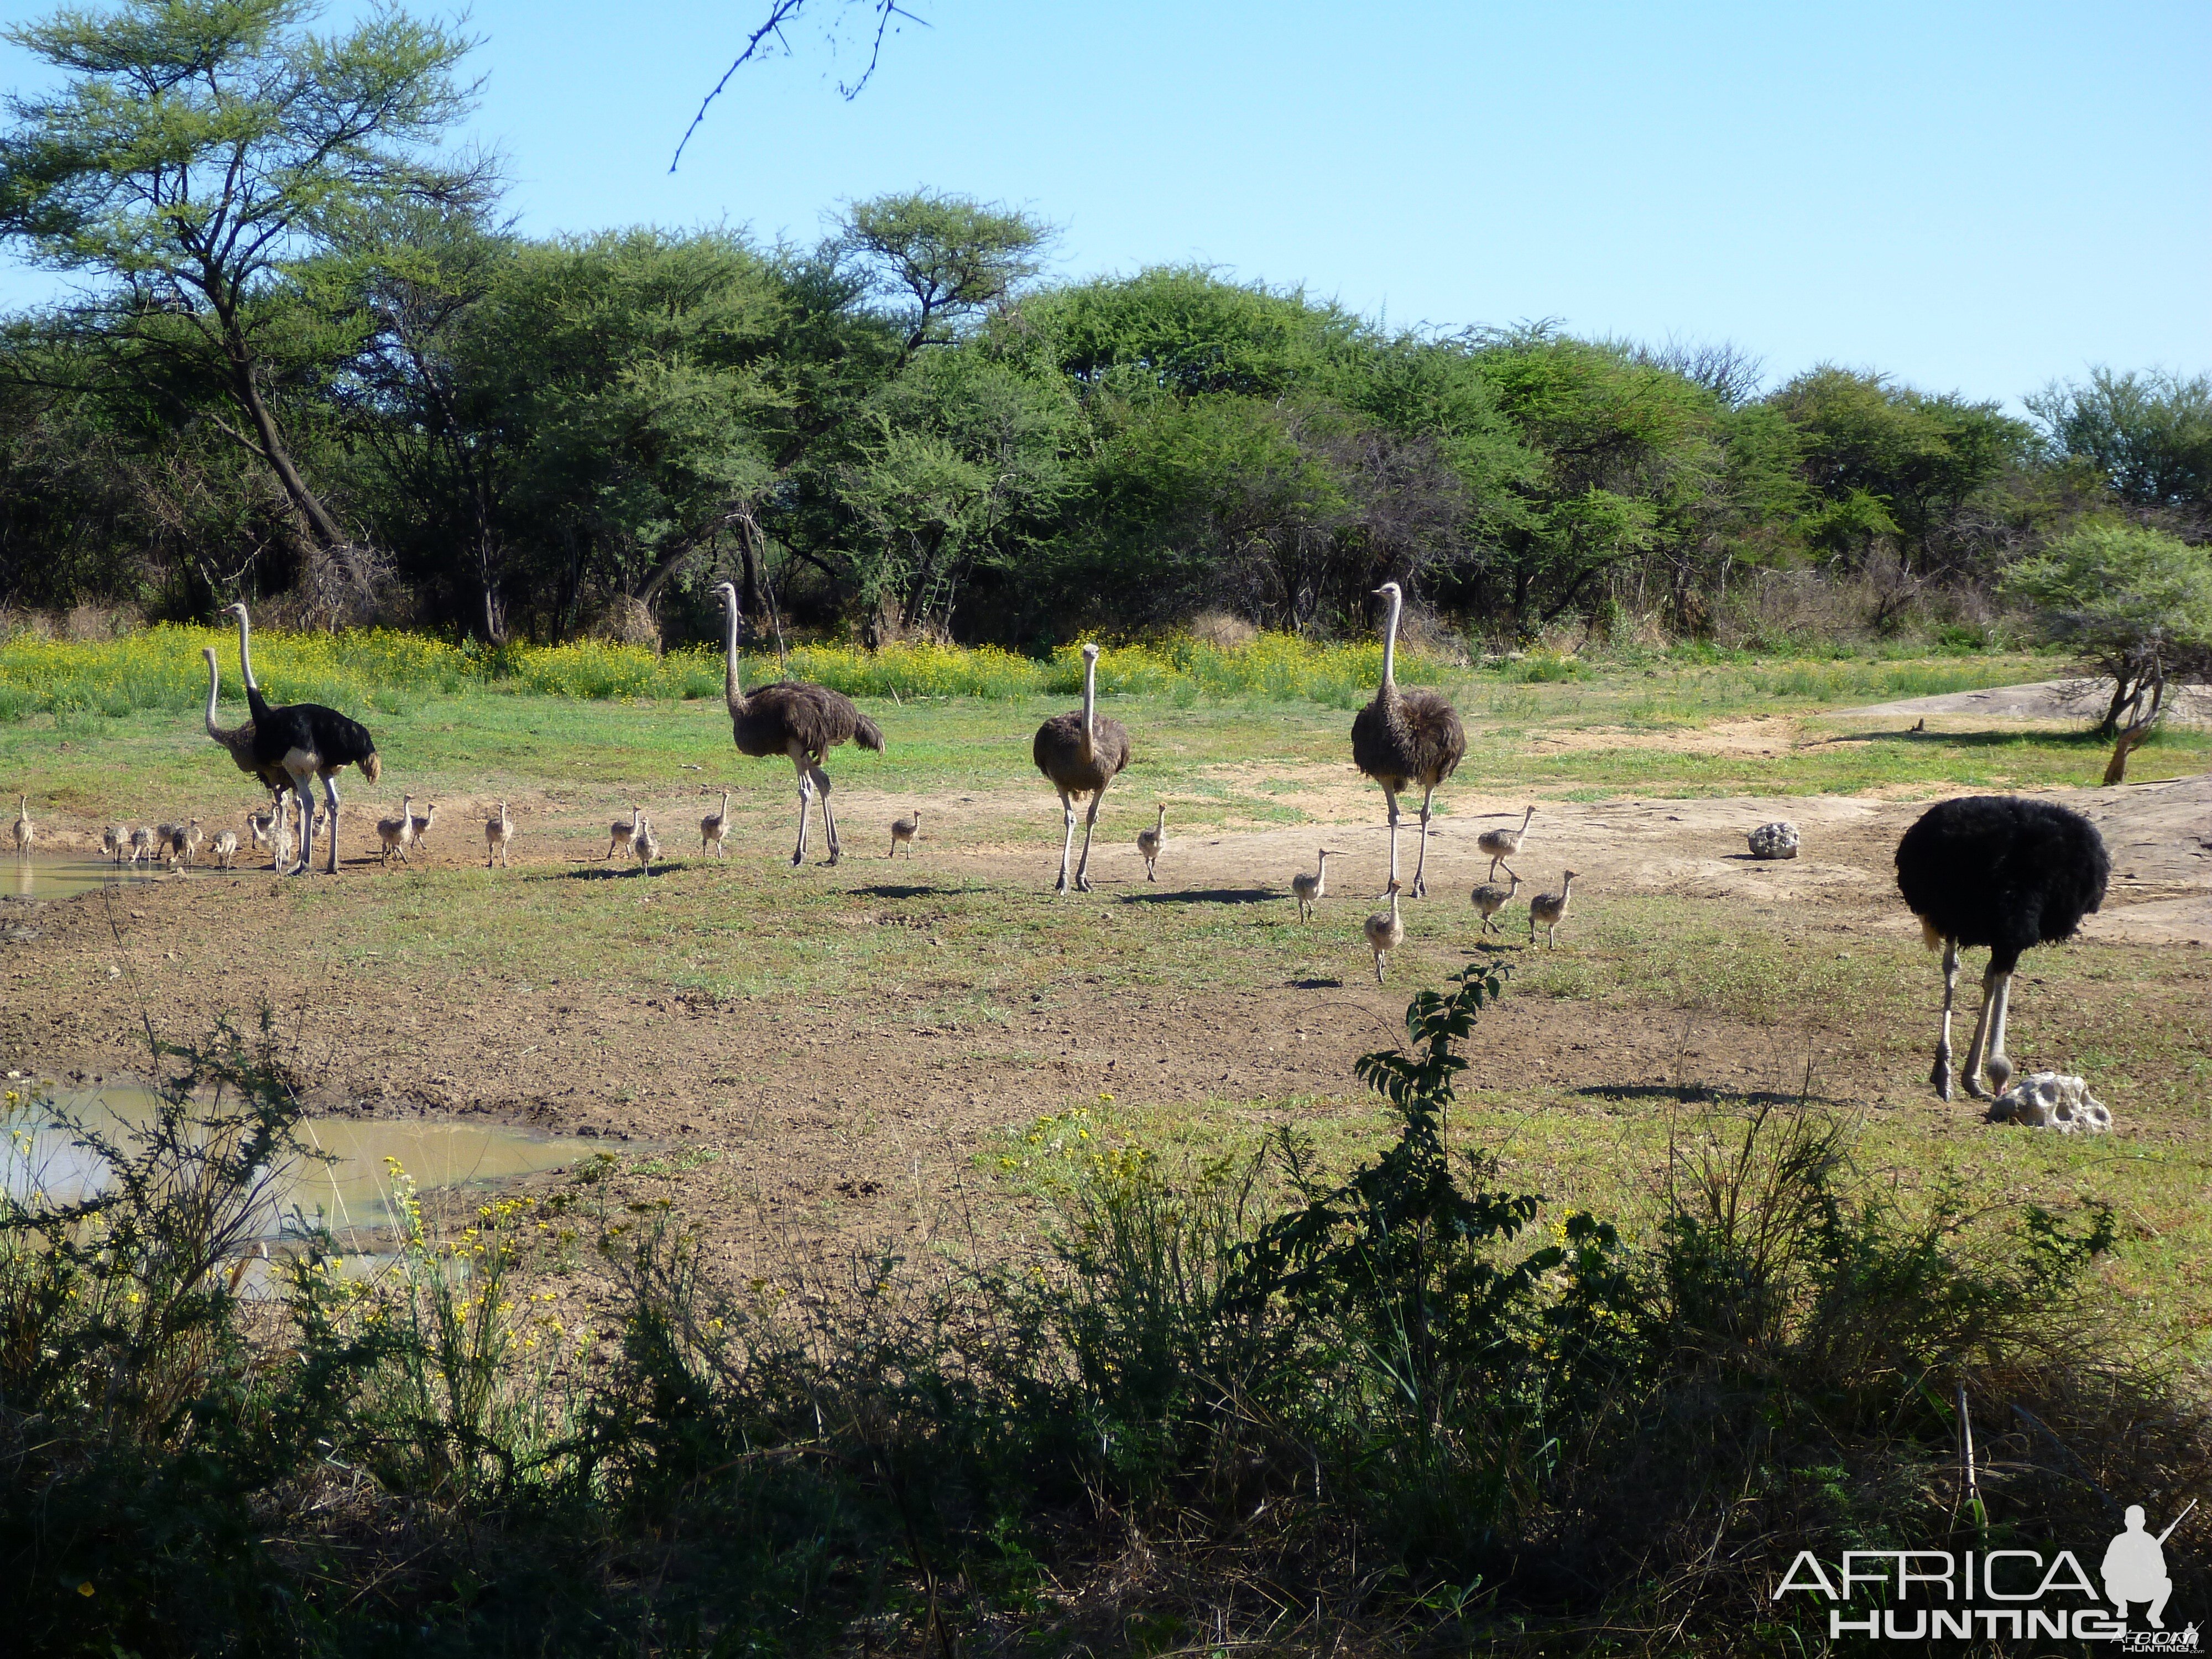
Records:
x=142, y=844
x=1490, y=898
x=25, y=832
x=194, y=836
x=397, y=834
x=112, y=842
x=621, y=837
x=1385, y=931
x=715, y=827
x=259, y=825
x=903, y=832
x=1502, y=844
x=499, y=835
x=1308, y=889
x=1149, y=842
x=423, y=824
x=646, y=845
x=226, y=849
x=1547, y=910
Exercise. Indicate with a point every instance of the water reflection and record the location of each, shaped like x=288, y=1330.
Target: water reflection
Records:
x=59, y=878
x=352, y=1194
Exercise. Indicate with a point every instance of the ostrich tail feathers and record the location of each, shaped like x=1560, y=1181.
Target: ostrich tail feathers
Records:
x=867, y=733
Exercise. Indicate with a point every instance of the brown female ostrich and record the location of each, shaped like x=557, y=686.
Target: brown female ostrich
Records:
x=308, y=741
x=239, y=741
x=791, y=718
x=1080, y=754
x=1405, y=738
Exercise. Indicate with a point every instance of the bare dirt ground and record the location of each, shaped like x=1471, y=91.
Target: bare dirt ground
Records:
x=823, y=1118
x=2072, y=701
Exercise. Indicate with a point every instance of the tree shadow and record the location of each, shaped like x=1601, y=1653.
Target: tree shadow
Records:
x=1206, y=896
x=1989, y=739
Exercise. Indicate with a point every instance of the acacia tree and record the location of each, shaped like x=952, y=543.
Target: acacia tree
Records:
x=201, y=151
x=2136, y=606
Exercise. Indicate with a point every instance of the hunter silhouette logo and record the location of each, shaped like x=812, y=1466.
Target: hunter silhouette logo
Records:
x=2016, y=1593
x=2135, y=1567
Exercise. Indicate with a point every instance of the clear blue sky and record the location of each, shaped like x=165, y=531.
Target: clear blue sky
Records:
x=1972, y=195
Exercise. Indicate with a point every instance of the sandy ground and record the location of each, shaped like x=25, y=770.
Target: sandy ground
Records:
x=2044, y=700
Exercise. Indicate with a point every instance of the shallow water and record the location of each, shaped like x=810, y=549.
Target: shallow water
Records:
x=351, y=1194
x=63, y=876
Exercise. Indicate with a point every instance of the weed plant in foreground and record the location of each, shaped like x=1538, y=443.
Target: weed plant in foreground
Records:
x=1246, y=1401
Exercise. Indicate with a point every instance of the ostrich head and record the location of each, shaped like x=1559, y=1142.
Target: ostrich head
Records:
x=1390, y=590
x=372, y=766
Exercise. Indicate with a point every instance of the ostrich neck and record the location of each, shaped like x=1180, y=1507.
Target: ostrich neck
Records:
x=214, y=731
x=733, y=685
x=245, y=651
x=1390, y=647
x=1089, y=706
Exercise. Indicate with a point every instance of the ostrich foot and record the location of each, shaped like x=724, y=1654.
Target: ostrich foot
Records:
x=1421, y=888
x=1939, y=1079
x=1974, y=1086
x=1083, y=884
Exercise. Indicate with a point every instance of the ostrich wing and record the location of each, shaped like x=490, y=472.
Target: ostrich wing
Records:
x=814, y=717
x=1058, y=752
x=1405, y=738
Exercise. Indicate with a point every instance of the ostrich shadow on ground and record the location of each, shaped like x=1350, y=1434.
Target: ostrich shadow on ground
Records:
x=885, y=890
x=1207, y=896
x=610, y=872
x=1703, y=1094
x=1316, y=985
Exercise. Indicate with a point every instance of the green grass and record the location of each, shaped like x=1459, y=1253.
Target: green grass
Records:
x=1252, y=757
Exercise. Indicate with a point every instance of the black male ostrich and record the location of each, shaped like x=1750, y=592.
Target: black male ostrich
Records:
x=305, y=741
x=2004, y=872
x=1080, y=754
x=798, y=720
x=1405, y=738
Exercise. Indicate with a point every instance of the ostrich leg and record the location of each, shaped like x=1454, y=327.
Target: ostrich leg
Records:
x=1992, y=996
x=1420, y=890
x=305, y=803
x=828, y=817
x=805, y=801
x=1391, y=796
x=1067, y=843
x=1940, y=1078
x=1998, y=1061
x=1090, y=824
x=330, y=794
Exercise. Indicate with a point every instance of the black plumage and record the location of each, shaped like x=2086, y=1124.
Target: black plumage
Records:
x=1406, y=739
x=2001, y=873
x=794, y=721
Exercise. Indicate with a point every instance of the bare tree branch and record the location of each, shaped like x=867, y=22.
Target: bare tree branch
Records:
x=780, y=12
